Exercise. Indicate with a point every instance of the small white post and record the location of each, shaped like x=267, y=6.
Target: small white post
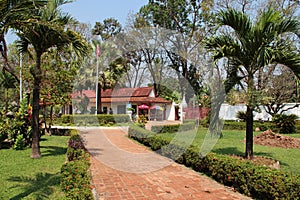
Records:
x=21, y=89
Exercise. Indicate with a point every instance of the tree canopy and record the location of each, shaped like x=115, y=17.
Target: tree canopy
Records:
x=43, y=28
x=249, y=47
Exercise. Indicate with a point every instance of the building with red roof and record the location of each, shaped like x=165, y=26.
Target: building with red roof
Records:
x=135, y=101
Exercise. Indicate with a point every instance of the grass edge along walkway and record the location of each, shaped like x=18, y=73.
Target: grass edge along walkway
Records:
x=24, y=178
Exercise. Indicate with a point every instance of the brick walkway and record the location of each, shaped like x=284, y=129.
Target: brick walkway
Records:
x=123, y=169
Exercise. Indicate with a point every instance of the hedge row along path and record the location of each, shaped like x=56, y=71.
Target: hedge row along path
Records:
x=123, y=169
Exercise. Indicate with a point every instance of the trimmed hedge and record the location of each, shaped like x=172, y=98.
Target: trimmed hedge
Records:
x=75, y=177
x=93, y=120
x=247, y=178
x=173, y=128
x=233, y=125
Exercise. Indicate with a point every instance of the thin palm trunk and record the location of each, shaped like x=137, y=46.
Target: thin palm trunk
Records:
x=35, y=147
x=249, y=119
x=249, y=133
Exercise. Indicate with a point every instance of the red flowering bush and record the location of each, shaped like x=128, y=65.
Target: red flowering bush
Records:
x=75, y=177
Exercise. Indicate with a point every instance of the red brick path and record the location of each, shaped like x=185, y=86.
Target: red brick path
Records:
x=123, y=169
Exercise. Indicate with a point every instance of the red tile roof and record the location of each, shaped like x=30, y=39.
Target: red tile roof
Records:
x=134, y=100
x=127, y=92
x=134, y=95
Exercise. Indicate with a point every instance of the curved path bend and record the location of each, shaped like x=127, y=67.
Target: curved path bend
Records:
x=122, y=169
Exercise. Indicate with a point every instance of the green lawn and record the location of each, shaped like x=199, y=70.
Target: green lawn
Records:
x=24, y=178
x=233, y=143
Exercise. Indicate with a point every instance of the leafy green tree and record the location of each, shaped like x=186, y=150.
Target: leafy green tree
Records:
x=7, y=88
x=116, y=65
x=59, y=71
x=13, y=14
x=107, y=29
x=249, y=47
x=191, y=19
x=46, y=29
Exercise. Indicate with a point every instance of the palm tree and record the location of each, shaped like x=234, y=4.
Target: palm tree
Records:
x=251, y=46
x=46, y=28
x=11, y=14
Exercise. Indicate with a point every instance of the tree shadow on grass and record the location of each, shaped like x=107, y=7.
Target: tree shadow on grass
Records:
x=40, y=187
x=235, y=151
x=53, y=150
x=43, y=139
x=228, y=151
x=264, y=154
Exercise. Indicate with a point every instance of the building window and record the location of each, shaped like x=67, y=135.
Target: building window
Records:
x=104, y=110
x=121, y=109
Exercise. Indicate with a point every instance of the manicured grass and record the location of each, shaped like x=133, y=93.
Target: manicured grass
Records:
x=295, y=135
x=232, y=142
x=24, y=178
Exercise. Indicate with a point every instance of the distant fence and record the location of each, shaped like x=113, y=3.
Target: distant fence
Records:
x=229, y=112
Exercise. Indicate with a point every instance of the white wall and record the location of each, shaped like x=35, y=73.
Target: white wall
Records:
x=170, y=111
x=228, y=112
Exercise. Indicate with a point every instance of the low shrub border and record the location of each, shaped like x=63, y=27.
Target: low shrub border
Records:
x=174, y=127
x=75, y=177
x=233, y=125
x=86, y=120
x=247, y=178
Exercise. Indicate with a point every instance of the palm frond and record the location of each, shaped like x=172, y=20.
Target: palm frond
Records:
x=12, y=12
x=238, y=21
x=290, y=59
x=256, y=45
x=223, y=46
x=289, y=26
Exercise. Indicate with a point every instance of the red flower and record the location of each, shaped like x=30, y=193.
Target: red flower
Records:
x=228, y=178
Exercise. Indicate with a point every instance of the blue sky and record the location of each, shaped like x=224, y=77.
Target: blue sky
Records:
x=91, y=11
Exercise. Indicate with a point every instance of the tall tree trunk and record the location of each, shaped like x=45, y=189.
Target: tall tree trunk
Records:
x=249, y=133
x=35, y=146
x=249, y=118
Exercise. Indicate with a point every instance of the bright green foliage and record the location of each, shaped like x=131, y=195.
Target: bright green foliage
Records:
x=92, y=120
x=247, y=178
x=3, y=132
x=173, y=128
x=233, y=125
x=109, y=28
x=75, y=180
x=285, y=123
x=45, y=28
x=191, y=20
x=16, y=127
x=249, y=47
